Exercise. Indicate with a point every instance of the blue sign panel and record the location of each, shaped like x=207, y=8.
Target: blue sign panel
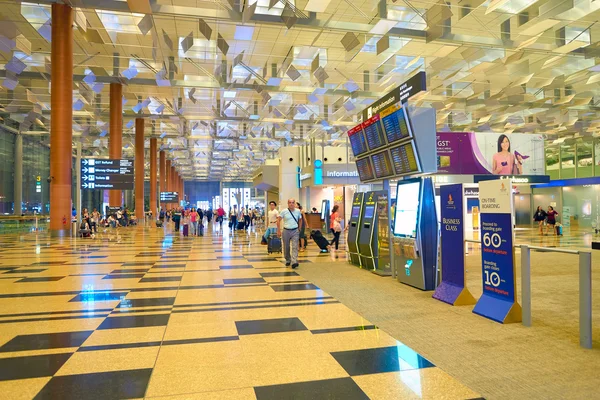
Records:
x=452, y=288
x=498, y=301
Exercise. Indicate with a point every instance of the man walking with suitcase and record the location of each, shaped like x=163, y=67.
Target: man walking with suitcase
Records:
x=291, y=223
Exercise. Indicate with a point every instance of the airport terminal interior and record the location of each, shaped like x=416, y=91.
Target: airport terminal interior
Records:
x=299, y=199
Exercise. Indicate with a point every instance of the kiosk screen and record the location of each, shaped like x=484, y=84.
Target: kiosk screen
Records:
x=357, y=140
x=355, y=212
x=382, y=164
x=395, y=123
x=404, y=159
x=369, y=212
x=373, y=133
x=407, y=210
x=365, y=171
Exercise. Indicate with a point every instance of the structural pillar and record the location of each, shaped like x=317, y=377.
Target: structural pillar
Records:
x=78, y=204
x=18, y=181
x=61, y=115
x=139, y=169
x=182, y=189
x=173, y=179
x=177, y=186
x=115, y=138
x=163, y=171
x=168, y=176
x=153, y=177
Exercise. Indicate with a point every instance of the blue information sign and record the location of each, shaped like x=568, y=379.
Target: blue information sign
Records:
x=498, y=301
x=452, y=290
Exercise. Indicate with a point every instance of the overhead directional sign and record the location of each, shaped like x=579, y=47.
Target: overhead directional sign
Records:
x=107, y=174
x=169, y=197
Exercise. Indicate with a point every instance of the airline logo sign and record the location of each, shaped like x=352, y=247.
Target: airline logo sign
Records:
x=495, y=196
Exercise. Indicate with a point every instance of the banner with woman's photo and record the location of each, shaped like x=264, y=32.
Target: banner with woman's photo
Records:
x=469, y=153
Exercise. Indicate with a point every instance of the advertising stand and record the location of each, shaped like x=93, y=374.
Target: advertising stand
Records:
x=354, y=228
x=452, y=289
x=499, y=299
x=416, y=234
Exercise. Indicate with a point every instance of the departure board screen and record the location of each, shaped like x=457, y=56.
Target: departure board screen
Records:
x=357, y=140
x=382, y=164
x=395, y=123
x=404, y=159
x=373, y=133
x=365, y=170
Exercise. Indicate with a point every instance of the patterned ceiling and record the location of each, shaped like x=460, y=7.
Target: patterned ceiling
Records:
x=225, y=84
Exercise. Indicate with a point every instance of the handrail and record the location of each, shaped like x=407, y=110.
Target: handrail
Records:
x=555, y=250
x=585, y=289
x=473, y=241
x=22, y=217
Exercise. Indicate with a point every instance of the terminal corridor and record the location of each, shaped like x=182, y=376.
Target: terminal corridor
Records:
x=142, y=313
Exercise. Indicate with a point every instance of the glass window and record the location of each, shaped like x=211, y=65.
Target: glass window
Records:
x=585, y=160
x=7, y=164
x=36, y=169
x=552, y=162
x=567, y=161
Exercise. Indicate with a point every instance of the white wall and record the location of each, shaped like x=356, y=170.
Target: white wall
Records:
x=288, y=174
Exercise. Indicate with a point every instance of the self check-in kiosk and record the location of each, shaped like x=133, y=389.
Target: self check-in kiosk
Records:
x=354, y=228
x=416, y=237
x=368, y=238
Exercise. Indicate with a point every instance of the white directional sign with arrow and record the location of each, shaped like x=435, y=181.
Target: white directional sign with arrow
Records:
x=107, y=174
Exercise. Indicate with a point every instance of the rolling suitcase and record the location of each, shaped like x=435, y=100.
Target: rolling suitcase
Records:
x=274, y=244
x=186, y=230
x=320, y=240
x=241, y=226
x=559, y=230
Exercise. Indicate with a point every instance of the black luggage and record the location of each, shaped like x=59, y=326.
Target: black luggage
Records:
x=319, y=239
x=186, y=230
x=274, y=244
x=241, y=226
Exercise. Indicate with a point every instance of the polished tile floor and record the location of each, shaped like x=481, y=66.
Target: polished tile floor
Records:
x=145, y=313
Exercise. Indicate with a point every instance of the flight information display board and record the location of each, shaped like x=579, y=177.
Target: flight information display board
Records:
x=114, y=174
x=404, y=159
x=365, y=169
x=357, y=140
x=395, y=123
x=373, y=133
x=382, y=164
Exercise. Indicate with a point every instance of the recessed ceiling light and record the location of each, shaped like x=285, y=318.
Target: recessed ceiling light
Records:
x=243, y=32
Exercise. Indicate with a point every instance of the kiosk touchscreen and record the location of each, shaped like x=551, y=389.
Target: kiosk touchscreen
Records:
x=416, y=233
x=354, y=228
x=368, y=235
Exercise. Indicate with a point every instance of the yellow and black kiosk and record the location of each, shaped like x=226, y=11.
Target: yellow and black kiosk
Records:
x=354, y=228
x=374, y=255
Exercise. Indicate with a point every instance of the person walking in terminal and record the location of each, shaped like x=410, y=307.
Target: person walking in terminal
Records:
x=220, y=216
x=303, y=226
x=551, y=219
x=271, y=222
x=233, y=219
x=291, y=224
x=540, y=217
x=335, y=226
x=177, y=215
x=194, y=221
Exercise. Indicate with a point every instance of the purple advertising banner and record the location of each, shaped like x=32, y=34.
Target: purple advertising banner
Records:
x=452, y=288
x=468, y=153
